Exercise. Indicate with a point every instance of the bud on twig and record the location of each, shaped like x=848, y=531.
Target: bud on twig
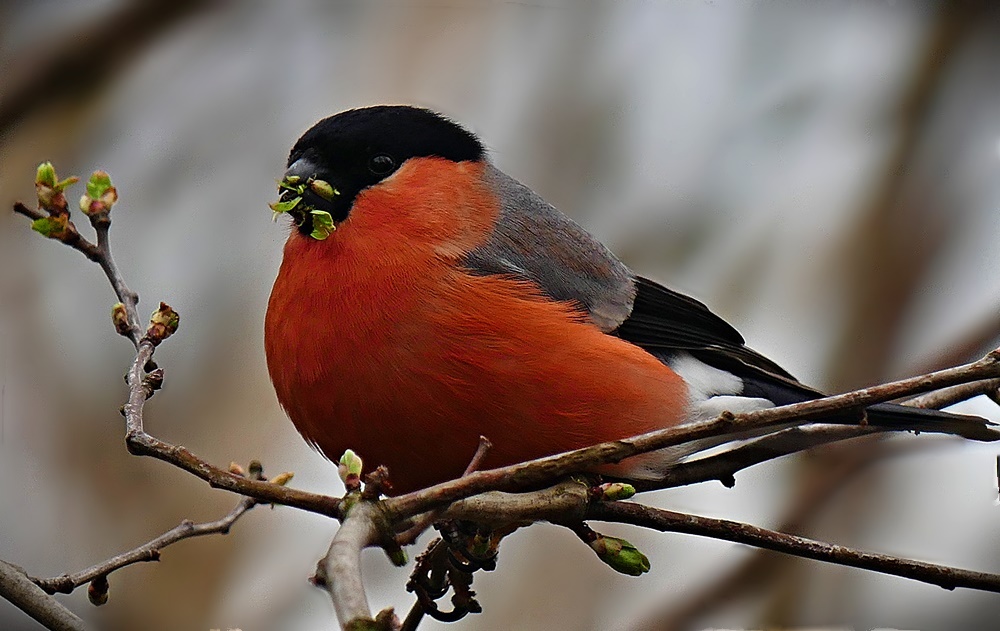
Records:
x=54, y=227
x=614, y=491
x=236, y=469
x=162, y=324
x=256, y=470
x=377, y=483
x=119, y=316
x=388, y=619
x=45, y=175
x=51, y=199
x=97, y=592
x=101, y=195
x=620, y=555
x=349, y=467
x=152, y=382
x=397, y=555
x=50, y=190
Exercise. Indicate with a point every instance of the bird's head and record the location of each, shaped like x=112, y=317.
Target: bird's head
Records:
x=350, y=152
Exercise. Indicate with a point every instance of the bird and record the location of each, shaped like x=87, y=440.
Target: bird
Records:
x=425, y=299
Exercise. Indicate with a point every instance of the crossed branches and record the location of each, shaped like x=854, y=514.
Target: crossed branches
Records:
x=477, y=510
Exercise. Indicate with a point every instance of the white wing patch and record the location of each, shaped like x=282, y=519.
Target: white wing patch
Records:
x=711, y=391
x=704, y=381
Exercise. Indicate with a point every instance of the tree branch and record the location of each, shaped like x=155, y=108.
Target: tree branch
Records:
x=423, y=522
x=142, y=384
x=570, y=502
x=724, y=466
x=565, y=502
x=339, y=572
x=16, y=587
x=141, y=443
x=670, y=521
x=149, y=551
x=955, y=394
x=538, y=472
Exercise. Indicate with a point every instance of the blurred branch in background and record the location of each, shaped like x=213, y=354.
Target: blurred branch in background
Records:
x=895, y=240
x=756, y=574
x=75, y=64
x=887, y=259
x=890, y=251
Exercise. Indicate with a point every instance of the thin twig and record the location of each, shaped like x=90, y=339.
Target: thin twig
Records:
x=76, y=241
x=149, y=551
x=726, y=530
x=100, y=253
x=16, y=587
x=432, y=559
x=725, y=465
x=141, y=443
x=137, y=440
x=477, y=458
x=756, y=571
x=955, y=394
x=125, y=295
x=563, y=503
x=423, y=522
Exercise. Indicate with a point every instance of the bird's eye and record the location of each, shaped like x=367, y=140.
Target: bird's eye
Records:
x=381, y=164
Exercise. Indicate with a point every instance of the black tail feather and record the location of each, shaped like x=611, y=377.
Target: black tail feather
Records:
x=922, y=420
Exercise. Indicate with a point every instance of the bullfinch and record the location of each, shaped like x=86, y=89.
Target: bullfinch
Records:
x=426, y=298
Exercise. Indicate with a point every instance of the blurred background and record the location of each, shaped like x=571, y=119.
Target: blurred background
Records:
x=824, y=175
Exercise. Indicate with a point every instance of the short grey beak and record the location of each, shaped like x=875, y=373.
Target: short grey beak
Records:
x=303, y=168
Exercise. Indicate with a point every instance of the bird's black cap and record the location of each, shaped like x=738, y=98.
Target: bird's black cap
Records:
x=406, y=131
x=359, y=148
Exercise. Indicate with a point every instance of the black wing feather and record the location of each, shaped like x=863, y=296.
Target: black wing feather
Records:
x=663, y=321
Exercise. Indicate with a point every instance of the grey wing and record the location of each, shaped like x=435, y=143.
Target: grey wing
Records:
x=534, y=241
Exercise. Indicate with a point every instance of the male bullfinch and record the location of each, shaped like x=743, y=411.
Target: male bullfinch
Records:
x=426, y=298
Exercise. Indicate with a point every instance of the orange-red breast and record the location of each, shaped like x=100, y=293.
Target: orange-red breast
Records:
x=426, y=298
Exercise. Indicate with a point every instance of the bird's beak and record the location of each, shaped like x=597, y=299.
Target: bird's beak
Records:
x=308, y=200
x=303, y=168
